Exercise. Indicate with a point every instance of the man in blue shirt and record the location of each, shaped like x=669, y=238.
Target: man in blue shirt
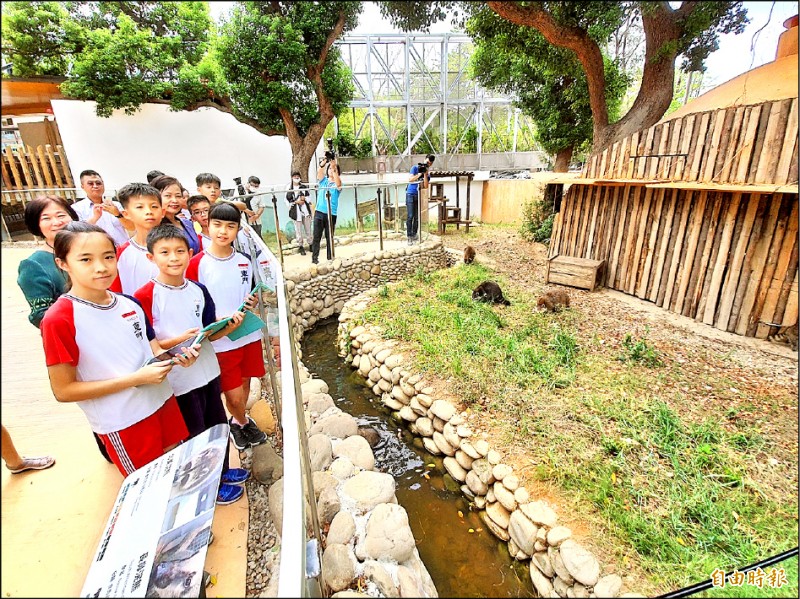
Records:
x=412, y=196
x=329, y=182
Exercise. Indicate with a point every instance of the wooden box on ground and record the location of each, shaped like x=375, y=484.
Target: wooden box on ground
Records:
x=575, y=272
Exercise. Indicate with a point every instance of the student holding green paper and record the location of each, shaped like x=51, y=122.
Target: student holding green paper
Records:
x=228, y=276
x=178, y=308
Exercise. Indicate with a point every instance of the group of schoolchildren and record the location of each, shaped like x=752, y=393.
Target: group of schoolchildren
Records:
x=119, y=341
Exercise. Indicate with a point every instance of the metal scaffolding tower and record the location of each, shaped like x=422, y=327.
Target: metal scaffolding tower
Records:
x=414, y=96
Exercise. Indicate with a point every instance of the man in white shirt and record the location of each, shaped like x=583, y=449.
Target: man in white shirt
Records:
x=105, y=213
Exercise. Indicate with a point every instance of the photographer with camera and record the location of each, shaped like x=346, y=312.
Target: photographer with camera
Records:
x=299, y=200
x=330, y=183
x=419, y=173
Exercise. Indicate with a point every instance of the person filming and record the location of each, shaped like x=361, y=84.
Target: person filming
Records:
x=419, y=174
x=299, y=201
x=329, y=183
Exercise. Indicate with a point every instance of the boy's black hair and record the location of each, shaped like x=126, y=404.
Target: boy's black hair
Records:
x=430, y=158
x=152, y=175
x=225, y=211
x=296, y=173
x=204, y=178
x=162, y=232
x=253, y=180
x=133, y=190
x=88, y=173
x=196, y=199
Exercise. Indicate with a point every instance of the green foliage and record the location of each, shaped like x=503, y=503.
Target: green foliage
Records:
x=548, y=81
x=270, y=65
x=537, y=221
x=270, y=52
x=639, y=351
x=39, y=38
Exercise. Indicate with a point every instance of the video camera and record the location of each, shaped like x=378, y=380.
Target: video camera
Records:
x=330, y=153
x=422, y=167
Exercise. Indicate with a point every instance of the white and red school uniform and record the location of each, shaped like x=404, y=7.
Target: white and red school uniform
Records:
x=133, y=268
x=173, y=310
x=228, y=280
x=107, y=342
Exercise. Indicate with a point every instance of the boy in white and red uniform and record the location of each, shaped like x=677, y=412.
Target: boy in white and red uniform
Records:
x=178, y=309
x=228, y=276
x=141, y=204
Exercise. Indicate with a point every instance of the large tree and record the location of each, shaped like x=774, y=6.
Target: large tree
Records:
x=690, y=30
x=547, y=81
x=272, y=66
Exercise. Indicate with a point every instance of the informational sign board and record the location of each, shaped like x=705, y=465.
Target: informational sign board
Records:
x=155, y=541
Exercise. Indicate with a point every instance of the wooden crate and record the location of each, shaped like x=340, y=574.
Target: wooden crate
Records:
x=575, y=272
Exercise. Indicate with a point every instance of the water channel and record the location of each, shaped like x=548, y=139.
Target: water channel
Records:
x=461, y=563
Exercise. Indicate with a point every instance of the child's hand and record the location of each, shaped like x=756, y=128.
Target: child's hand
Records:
x=237, y=318
x=188, y=356
x=154, y=373
x=250, y=302
x=189, y=334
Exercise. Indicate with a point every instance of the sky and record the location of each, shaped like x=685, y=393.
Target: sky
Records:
x=736, y=54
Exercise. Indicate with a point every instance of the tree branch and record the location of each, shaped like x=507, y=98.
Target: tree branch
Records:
x=332, y=37
x=572, y=38
x=223, y=105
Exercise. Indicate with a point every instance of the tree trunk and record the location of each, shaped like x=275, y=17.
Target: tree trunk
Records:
x=662, y=29
x=302, y=154
x=563, y=158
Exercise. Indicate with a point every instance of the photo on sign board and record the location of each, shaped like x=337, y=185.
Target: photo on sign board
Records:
x=186, y=506
x=180, y=556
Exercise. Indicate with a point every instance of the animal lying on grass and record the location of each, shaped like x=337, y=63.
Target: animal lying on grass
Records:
x=489, y=292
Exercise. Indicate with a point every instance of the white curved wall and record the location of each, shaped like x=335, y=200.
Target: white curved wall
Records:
x=125, y=148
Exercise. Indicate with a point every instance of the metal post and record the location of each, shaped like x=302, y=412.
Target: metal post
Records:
x=277, y=228
x=359, y=228
x=380, y=220
x=516, y=124
x=330, y=222
x=396, y=209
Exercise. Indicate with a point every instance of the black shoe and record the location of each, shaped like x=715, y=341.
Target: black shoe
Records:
x=302, y=251
x=254, y=435
x=313, y=261
x=239, y=436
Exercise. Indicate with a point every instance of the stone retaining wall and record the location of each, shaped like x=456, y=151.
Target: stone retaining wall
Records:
x=322, y=290
x=369, y=544
x=559, y=566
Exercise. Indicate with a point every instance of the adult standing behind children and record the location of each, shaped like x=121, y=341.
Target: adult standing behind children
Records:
x=142, y=205
x=228, y=276
x=256, y=203
x=299, y=200
x=330, y=183
x=178, y=309
x=97, y=345
x=172, y=202
x=105, y=213
x=412, y=197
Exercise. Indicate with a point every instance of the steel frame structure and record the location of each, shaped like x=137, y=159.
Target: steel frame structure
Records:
x=415, y=75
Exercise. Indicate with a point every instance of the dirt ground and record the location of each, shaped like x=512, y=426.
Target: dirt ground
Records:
x=716, y=366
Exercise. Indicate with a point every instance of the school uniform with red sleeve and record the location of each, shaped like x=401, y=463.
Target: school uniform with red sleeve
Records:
x=174, y=310
x=107, y=342
x=229, y=280
x=133, y=268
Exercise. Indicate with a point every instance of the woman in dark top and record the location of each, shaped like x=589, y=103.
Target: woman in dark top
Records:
x=41, y=281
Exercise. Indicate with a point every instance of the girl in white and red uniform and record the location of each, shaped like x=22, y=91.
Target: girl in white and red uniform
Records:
x=96, y=346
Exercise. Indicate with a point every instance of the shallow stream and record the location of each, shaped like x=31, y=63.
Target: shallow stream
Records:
x=461, y=563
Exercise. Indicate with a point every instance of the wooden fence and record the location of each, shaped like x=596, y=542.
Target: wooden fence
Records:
x=741, y=144
x=728, y=259
x=27, y=172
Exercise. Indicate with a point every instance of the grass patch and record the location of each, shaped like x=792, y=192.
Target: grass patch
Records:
x=684, y=487
x=475, y=343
